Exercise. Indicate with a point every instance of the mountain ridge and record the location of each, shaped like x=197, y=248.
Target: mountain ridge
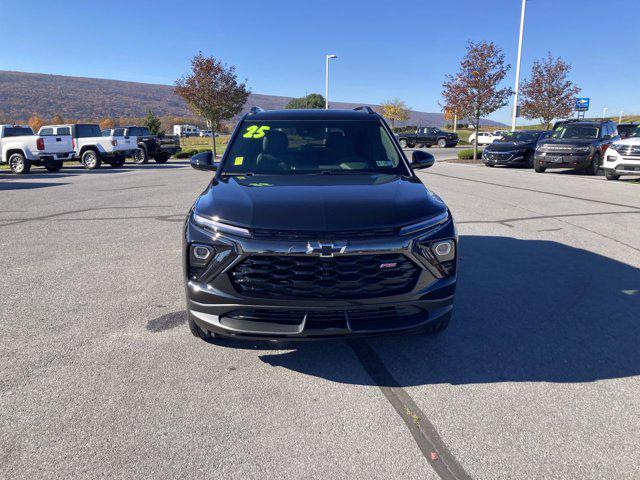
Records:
x=23, y=94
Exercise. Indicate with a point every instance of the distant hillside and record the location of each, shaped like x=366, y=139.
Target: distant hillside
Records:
x=25, y=94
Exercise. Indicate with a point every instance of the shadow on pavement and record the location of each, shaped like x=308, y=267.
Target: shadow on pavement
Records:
x=526, y=311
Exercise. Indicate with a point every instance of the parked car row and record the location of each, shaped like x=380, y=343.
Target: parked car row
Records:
x=21, y=149
x=579, y=144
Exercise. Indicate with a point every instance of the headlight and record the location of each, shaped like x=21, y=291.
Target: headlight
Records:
x=616, y=147
x=216, y=226
x=439, y=254
x=425, y=224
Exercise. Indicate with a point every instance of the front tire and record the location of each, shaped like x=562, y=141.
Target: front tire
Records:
x=593, y=168
x=140, y=156
x=442, y=143
x=611, y=175
x=403, y=143
x=18, y=164
x=163, y=158
x=538, y=168
x=91, y=160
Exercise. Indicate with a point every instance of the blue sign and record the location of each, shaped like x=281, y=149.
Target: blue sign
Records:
x=582, y=104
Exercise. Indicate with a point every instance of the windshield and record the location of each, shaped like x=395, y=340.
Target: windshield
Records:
x=526, y=137
x=299, y=147
x=17, y=131
x=636, y=132
x=577, y=131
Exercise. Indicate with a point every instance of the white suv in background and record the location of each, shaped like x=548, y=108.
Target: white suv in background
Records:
x=484, y=138
x=623, y=157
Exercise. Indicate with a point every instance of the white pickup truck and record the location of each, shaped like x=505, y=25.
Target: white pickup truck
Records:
x=91, y=147
x=21, y=149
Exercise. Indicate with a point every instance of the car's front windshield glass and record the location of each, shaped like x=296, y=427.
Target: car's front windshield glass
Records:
x=577, y=131
x=519, y=137
x=318, y=146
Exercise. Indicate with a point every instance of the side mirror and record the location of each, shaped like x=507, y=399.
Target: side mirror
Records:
x=422, y=159
x=204, y=161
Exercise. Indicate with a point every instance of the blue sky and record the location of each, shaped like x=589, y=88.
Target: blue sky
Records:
x=386, y=49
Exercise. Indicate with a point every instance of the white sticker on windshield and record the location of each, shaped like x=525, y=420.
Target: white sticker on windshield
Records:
x=384, y=163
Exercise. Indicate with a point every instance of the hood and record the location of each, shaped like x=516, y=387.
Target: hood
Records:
x=578, y=142
x=629, y=141
x=508, y=146
x=319, y=202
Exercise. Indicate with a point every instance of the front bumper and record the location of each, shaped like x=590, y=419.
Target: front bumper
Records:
x=621, y=164
x=503, y=158
x=564, y=160
x=216, y=306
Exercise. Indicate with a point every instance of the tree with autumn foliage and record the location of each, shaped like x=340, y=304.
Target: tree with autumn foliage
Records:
x=57, y=119
x=395, y=110
x=548, y=93
x=35, y=122
x=107, y=123
x=212, y=91
x=474, y=92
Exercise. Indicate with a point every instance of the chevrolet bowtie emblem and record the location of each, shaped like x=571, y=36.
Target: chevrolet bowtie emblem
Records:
x=325, y=249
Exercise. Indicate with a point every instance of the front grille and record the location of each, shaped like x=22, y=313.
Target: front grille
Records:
x=499, y=155
x=340, y=277
x=629, y=150
x=309, y=234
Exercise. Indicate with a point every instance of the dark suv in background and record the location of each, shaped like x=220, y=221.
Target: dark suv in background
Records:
x=315, y=225
x=576, y=144
x=514, y=148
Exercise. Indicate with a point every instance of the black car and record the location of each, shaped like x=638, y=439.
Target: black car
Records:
x=514, y=148
x=427, y=137
x=577, y=144
x=158, y=147
x=627, y=129
x=315, y=225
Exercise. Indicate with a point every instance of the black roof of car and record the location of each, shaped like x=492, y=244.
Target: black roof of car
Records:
x=314, y=114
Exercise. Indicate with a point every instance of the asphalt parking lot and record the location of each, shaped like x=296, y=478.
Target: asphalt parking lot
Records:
x=537, y=377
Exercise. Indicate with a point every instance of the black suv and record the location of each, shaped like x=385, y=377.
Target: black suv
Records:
x=514, y=148
x=315, y=225
x=577, y=144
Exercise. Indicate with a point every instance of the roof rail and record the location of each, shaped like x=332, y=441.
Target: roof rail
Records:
x=365, y=108
x=254, y=110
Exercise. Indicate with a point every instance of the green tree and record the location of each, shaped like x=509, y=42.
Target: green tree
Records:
x=313, y=100
x=395, y=110
x=212, y=91
x=153, y=123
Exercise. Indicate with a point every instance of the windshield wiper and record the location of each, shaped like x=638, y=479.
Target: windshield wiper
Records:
x=236, y=174
x=348, y=172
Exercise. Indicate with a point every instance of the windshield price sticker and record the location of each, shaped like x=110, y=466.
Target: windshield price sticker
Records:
x=238, y=160
x=256, y=131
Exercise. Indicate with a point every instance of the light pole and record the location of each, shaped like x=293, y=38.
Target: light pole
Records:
x=326, y=85
x=604, y=111
x=620, y=118
x=515, y=98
